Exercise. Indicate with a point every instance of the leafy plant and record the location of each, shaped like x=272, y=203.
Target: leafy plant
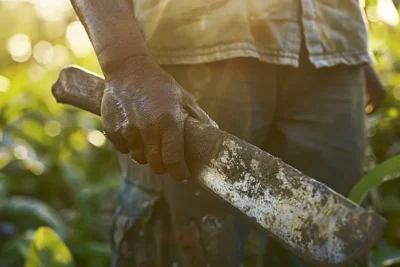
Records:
x=29, y=212
x=48, y=250
x=386, y=171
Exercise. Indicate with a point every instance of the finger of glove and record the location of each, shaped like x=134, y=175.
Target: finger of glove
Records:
x=109, y=118
x=152, y=149
x=136, y=148
x=198, y=113
x=137, y=153
x=173, y=152
x=118, y=141
x=138, y=156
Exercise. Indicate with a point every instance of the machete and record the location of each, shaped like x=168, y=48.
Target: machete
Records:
x=305, y=216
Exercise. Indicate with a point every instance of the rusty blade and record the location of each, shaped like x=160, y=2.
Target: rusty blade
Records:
x=307, y=217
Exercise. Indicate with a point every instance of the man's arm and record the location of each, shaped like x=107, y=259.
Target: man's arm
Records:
x=143, y=108
x=113, y=30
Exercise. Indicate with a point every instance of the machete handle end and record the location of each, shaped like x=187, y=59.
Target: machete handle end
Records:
x=80, y=88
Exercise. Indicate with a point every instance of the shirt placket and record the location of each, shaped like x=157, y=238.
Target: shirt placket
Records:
x=311, y=33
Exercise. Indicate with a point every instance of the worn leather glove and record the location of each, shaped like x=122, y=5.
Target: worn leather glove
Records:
x=143, y=113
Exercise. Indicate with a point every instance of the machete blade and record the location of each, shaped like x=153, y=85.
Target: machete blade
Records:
x=304, y=215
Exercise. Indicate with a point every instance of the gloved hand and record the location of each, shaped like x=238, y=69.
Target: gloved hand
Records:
x=375, y=90
x=143, y=113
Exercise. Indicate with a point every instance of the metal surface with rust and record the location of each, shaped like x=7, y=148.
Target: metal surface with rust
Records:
x=306, y=216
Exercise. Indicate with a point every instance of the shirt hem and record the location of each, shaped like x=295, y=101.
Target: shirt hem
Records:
x=223, y=52
x=271, y=56
x=347, y=58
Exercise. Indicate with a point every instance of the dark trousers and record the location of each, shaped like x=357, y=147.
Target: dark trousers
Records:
x=311, y=118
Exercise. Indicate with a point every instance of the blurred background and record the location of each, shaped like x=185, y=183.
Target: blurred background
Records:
x=56, y=168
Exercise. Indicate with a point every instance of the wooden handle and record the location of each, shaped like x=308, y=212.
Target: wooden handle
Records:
x=80, y=88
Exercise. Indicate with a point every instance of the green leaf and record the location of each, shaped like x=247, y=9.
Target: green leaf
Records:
x=92, y=249
x=48, y=250
x=385, y=256
x=31, y=213
x=386, y=171
x=14, y=251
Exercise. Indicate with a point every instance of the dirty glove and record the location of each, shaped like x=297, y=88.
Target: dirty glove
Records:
x=143, y=113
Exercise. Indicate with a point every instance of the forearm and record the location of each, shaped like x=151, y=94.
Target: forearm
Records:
x=113, y=31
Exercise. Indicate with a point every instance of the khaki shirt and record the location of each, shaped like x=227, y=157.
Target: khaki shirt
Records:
x=200, y=31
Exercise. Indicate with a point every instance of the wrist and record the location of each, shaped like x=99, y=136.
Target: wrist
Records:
x=132, y=65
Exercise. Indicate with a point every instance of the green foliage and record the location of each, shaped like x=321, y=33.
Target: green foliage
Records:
x=14, y=251
x=388, y=170
x=26, y=212
x=48, y=250
x=384, y=256
x=55, y=173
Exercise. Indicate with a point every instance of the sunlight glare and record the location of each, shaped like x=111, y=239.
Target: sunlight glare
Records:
x=5, y=84
x=27, y=163
x=371, y=14
x=391, y=262
x=78, y=40
x=96, y=138
x=19, y=46
x=387, y=12
x=61, y=57
x=37, y=168
x=52, y=128
x=393, y=113
x=52, y=10
x=43, y=52
x=20, y=152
